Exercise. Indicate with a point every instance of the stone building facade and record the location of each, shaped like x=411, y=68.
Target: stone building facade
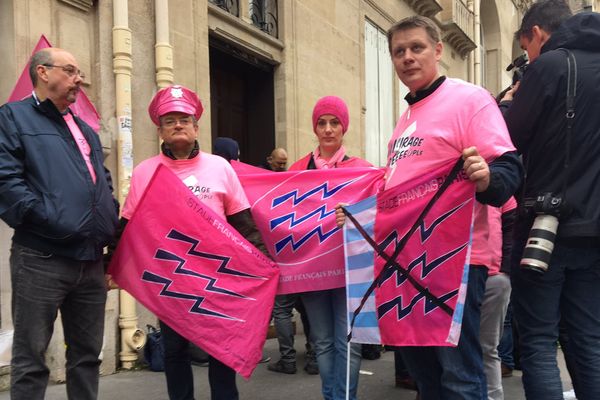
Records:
x=258, y=65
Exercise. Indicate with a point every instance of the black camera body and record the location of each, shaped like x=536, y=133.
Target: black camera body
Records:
x=546, y=203
x=548, y=208
x=519, y=65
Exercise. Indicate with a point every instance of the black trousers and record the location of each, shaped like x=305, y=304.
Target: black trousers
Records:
x=178, y=370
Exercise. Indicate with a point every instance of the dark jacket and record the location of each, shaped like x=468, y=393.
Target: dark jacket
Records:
x=46, y=190
x=537, y=124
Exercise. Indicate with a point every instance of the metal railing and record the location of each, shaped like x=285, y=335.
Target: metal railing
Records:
x=231, y=6
x=462, y=17
x=263, y=14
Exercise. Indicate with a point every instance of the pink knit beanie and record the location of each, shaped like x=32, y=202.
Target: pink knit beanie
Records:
x=331, y=105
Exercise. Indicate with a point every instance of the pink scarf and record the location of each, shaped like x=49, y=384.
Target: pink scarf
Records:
x=321, y=163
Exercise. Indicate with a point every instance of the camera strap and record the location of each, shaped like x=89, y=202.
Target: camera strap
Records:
x=570, y=113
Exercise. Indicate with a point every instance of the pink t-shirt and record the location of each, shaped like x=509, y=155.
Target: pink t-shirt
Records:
x=495, y=233
x=82, y=144
x=209, y=177
x=434, y=131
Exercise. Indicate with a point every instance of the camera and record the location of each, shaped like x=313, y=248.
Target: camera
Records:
x=540, y=244
x=519, y=64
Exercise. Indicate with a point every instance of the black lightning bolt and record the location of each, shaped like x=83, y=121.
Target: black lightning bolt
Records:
x=427, y=232
x=421, y=260
x=403, y=312
x=176, y=235
x=196, y=307
x=424, y=231
x=210, y=286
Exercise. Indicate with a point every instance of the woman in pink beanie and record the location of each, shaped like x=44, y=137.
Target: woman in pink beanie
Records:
x=326, y=309
x=330, y=122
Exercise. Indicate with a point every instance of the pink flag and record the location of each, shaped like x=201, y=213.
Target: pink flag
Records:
x=399, y=312
x=196, y=273
x=83, y=107
x=294, y=212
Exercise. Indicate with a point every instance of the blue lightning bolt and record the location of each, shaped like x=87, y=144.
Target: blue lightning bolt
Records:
x=280, y=245
x=320, y=211
x=299, y=199
x=403, y=312
x=198, y=300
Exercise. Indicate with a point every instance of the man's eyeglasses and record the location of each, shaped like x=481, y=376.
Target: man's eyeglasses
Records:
x=171, y=122
x=69, y=69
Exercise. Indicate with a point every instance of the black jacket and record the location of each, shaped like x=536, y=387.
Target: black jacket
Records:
x=46, y=190
x=537, y=124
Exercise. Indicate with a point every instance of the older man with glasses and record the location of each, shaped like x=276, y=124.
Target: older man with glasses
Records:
x=175, y=111
x=57, y=196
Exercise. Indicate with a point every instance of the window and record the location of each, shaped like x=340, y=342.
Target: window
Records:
x=379, y=95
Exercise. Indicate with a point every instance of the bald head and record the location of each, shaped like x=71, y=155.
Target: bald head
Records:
x=55, y=75
x=278, y=160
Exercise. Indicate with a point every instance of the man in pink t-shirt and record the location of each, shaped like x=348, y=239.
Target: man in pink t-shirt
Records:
x=448, y=119
x=176, y=110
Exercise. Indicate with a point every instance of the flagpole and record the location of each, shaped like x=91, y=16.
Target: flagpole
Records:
x=347, y=370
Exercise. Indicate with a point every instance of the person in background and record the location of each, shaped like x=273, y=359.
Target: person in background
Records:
x=497, y=294
x=57, y=196
x=227, y=148
x=563, y=167
x=282, y=319
x=277, y=161
x=326, y=309
x=175, y=111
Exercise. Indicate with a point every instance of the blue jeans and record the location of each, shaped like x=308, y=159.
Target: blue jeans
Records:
x=282, y=319
x=569, y=289
x=178, y=370
x=42, y=284
x=328, y=317
x=454, y=373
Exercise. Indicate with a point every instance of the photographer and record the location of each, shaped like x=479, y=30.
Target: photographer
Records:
x=562, y=157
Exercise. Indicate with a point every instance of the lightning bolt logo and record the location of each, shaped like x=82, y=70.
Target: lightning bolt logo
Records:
x=320, y=212
x=324, y=188
x=280, y=245
x=427, y=268
x=210, y=282
x=428, y=305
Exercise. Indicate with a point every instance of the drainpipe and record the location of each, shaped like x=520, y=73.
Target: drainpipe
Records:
x=477, y=34
x=471, y=58
x=132, y=338
x=163, y=50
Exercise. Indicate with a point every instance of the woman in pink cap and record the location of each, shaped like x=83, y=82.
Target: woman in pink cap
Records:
x=326, y=309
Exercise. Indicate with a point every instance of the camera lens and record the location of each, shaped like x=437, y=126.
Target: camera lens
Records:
x=540, y=244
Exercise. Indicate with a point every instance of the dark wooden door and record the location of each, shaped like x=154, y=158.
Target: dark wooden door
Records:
x=242, y=102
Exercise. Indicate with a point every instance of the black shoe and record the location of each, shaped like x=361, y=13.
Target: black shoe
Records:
x=506, y=371
x=282, y=367
x=371, y=351
x=264, y=359
x=311, y=367
x=405, y=382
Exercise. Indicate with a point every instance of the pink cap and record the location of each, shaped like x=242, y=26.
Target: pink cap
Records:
x=174, y=98
x=331, y=105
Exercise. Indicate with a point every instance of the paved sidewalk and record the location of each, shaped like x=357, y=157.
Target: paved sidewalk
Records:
x=376, y=383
